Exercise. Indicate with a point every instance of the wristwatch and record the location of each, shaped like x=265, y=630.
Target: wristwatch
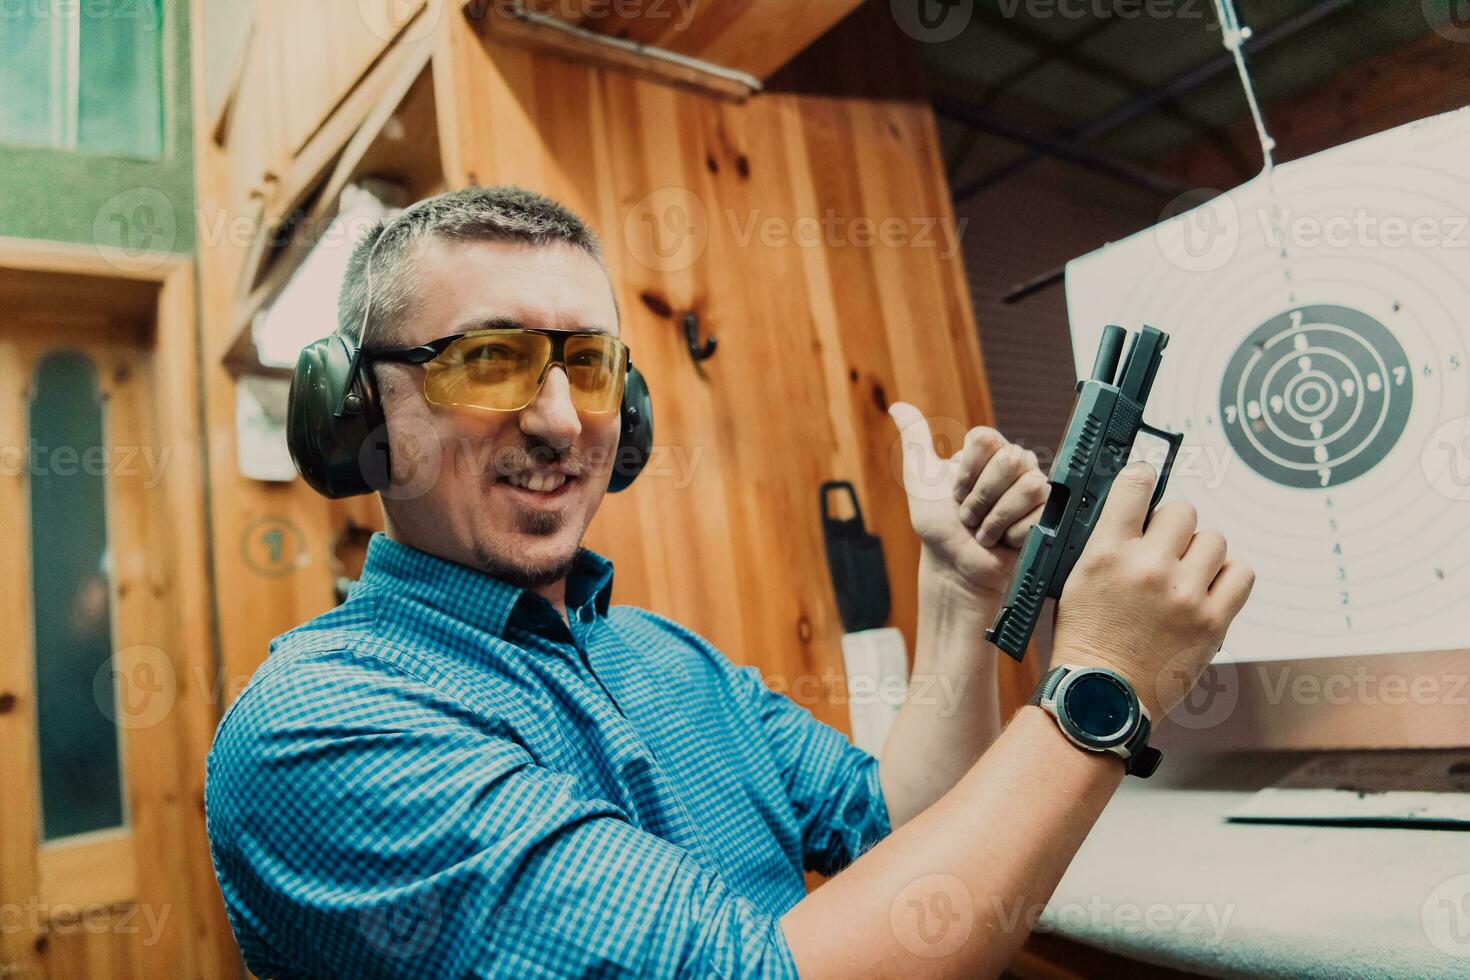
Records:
x=1099, y=711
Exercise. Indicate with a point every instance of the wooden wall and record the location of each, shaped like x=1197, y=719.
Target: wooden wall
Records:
x=815, y=338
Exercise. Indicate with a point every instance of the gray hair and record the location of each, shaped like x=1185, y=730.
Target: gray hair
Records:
x=489, y=214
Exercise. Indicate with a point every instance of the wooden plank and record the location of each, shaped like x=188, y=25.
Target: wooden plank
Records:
x=693, y=525
x=100, y=870
x=758, y=36
x=260, y=603
x=265, y=601
x=19, y=763
x=780, y=348
x=197, y=707
x=327, y=48
x=61, y=258
x=219, y=129
x=37, y=294
x=100, y=941
x=487, y=77
x=143, y=667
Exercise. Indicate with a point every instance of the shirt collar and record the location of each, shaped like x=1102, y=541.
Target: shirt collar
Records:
x=471, y=595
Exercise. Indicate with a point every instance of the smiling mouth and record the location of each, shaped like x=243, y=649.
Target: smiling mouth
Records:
x=539, y=484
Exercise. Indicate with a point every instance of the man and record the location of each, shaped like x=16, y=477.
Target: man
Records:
x=478, y=766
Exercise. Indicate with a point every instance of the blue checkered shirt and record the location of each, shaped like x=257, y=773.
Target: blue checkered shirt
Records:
x=442, y=778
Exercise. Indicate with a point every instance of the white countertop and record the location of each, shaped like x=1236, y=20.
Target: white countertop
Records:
x=1165, y=879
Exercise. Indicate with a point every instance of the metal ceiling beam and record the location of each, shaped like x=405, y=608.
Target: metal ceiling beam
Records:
x=1222, y=63
x=1019, y=31
x=1043, y=144
x=1059, y=49
x=1173, y=88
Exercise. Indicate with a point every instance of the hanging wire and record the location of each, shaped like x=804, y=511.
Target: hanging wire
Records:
x=1233, y=36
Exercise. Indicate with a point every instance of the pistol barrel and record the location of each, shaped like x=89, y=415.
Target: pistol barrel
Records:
x=1105, y=368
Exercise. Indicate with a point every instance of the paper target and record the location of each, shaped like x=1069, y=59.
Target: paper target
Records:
x=1316, y=396
x=1319, y=368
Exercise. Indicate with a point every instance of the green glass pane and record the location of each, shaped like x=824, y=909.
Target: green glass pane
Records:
x=121, y=90
x=33, y=49
x=81, y=773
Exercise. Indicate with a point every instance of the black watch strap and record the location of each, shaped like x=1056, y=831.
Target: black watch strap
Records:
x=1143, y=760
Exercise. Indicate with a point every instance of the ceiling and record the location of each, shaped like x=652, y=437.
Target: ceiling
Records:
x=1114, y=85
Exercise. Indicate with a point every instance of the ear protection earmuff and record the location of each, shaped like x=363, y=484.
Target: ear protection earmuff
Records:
x=334, y=420
x=635, y=438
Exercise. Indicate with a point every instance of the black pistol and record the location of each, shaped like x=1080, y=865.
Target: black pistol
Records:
x=1106, y=419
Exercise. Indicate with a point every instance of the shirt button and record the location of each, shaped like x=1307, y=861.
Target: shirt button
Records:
x=586, y=614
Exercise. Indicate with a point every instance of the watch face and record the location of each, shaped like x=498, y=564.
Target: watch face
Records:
x=1098, y=705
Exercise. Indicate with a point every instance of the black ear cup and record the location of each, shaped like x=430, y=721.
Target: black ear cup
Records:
x=635, y=441
x=334, y=421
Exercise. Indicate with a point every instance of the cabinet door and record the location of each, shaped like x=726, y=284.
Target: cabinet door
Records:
x=95, y=796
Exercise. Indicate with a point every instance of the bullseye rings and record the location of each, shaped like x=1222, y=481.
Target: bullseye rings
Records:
x=1316, y=396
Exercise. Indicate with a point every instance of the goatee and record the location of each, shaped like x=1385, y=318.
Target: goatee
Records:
x=520, y=573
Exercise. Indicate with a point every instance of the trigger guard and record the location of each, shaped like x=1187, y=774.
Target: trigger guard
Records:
x=1175, y=441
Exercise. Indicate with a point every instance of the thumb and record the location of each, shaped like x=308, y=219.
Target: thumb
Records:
x=915, y=439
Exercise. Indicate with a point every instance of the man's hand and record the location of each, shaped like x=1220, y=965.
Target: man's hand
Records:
x=971, y=511
x=1151, y=604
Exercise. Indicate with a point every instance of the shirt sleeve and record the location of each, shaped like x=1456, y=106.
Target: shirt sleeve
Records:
x=368, y=825
x=833, y=785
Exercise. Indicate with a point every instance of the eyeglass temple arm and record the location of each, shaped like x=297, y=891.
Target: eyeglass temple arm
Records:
x=422, y=354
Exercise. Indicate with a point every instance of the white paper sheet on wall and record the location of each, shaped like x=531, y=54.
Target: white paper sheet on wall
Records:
x=877, y=683
x=260, y=429
x=1319, y=367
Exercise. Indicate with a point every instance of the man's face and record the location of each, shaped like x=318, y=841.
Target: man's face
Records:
x=478, y=509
